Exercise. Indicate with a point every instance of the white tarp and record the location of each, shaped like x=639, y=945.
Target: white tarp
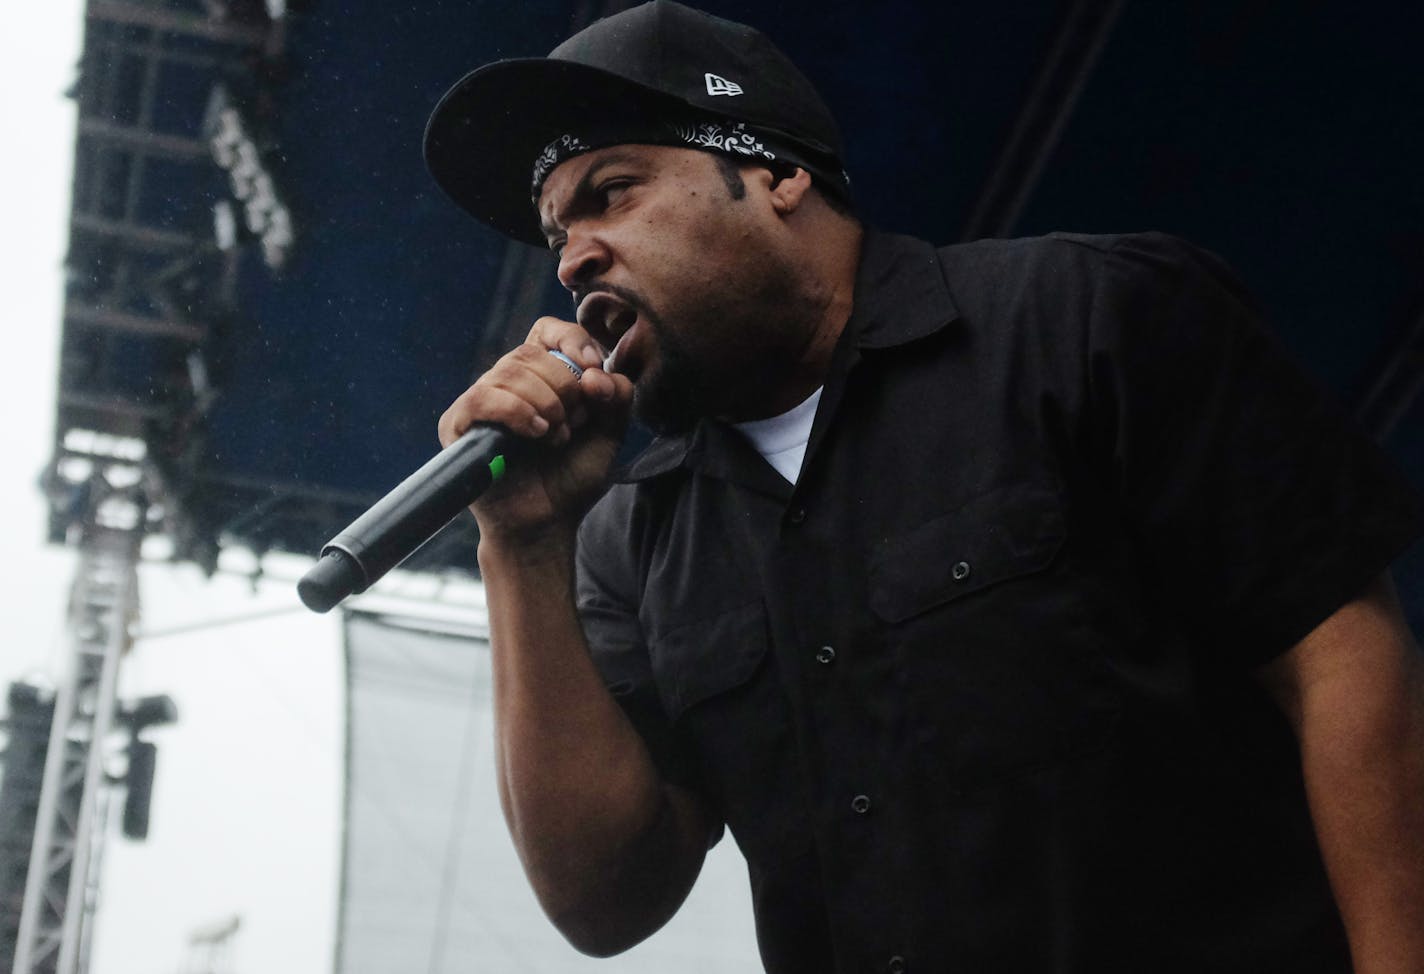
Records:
x=430, y=880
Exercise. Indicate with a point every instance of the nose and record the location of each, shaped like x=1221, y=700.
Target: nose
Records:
x=583, y=258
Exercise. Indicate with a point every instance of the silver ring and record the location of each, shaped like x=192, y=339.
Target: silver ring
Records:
x=570, y=363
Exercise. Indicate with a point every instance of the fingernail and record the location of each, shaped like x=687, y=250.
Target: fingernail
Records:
x=541, y=425
x=591, y=357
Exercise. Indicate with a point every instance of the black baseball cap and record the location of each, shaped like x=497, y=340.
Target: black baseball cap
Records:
x=657, y=60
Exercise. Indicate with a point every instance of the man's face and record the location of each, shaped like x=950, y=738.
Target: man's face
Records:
x=692, y=289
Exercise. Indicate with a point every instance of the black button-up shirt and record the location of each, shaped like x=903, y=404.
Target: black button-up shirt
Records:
x=974, y=693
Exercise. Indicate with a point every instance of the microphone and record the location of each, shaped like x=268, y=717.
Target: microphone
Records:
x=411, y=514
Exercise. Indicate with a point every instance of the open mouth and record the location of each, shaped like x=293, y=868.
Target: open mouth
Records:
x=612, y=322
x=626, y=358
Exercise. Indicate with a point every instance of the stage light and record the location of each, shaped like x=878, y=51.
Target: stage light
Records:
x=235, y=151
x=142, y=758
x=96, y=444
x=148, y=712
x=224, y=225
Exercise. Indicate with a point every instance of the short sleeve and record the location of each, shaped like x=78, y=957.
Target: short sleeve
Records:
x=607, y=598
x=1258, y=505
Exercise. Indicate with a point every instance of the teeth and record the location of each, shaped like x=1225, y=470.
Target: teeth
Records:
x=606, y=313
x=619, y=323
x=615, y=357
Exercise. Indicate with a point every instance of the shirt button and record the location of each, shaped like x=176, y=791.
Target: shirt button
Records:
x=896, y=965
x=797, y=515
x=860, y=804
x=960, y=571
x=826, y=655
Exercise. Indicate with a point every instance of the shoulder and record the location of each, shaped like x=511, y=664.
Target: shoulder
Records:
x=611, y=516
x=1057, y=255
x=1098, y=281
x=605, y=560
x=628, y=516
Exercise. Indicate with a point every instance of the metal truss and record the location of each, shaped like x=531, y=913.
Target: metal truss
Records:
x=61, y=889
x=147, y=285
x=150, y=284
x=1397, y=383
x=1062, y=76
x=210, y=948
x=131, y=261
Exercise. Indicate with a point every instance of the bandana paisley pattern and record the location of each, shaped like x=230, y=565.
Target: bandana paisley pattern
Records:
x=713, y=136
x=564, y=147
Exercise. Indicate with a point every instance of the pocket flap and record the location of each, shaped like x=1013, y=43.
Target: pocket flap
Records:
x=702, y=659
x=1001, y=534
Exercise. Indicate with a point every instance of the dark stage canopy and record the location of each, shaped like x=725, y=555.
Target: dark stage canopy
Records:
x=281, y=380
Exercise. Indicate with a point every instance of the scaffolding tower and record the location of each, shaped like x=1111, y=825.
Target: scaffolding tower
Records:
x=165, y=94
x=62, y=885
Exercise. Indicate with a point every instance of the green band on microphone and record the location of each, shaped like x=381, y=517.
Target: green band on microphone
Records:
x=497, y=467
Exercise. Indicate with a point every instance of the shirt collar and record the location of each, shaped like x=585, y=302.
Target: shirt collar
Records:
x=900, y=292
x=900, y=297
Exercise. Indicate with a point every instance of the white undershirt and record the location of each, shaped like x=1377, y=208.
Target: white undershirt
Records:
x=782, y=439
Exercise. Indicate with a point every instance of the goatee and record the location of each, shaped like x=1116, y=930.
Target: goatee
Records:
x=674, y=393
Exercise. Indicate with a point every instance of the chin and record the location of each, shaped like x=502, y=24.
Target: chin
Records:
x=667, y=404
x=664, y=417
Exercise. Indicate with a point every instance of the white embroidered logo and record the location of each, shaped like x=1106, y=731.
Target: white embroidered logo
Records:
x=717, y=85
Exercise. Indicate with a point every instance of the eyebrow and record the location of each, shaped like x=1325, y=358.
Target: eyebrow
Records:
x=585, y=184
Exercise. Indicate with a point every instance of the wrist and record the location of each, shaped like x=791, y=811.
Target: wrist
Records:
x=549, y=546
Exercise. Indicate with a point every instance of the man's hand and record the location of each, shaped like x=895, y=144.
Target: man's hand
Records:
x=578, y=422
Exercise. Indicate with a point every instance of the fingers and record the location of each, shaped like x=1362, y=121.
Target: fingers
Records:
x=573, y=341
x=568, y=338
x=491, y=404
x=528, y=391
x=612, y=387
x=535, y=394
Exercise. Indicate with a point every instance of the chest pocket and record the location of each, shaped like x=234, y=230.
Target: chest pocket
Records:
x=1002, y=668
x=999, y=535
x=718, y=682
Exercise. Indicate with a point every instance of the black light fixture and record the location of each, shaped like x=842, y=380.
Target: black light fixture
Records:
x=142, y=758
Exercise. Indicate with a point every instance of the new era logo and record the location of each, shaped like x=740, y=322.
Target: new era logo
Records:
x=717, y=85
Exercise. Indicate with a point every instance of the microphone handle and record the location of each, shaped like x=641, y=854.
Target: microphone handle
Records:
x=399, y=523
x=407, y=517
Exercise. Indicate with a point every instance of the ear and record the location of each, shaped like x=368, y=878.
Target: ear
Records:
x=788, y=189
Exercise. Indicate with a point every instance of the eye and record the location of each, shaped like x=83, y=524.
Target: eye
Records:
x=611, y=190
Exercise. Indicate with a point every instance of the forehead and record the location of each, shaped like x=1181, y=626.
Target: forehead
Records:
x=573, y=175
x=571, y=170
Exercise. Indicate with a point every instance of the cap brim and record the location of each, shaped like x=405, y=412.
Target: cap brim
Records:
x=486, y=132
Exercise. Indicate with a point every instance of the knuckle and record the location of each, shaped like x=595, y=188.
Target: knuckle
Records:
x=454, y=420
x=554, y=410
x=549, y=324
x=523, y=355
x=551, y=332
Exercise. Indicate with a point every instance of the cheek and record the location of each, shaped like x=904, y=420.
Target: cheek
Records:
x=687, y=256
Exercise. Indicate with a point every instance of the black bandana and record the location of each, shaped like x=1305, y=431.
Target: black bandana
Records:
x=736, y=139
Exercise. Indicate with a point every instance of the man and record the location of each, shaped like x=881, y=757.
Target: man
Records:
x=1014, y=604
